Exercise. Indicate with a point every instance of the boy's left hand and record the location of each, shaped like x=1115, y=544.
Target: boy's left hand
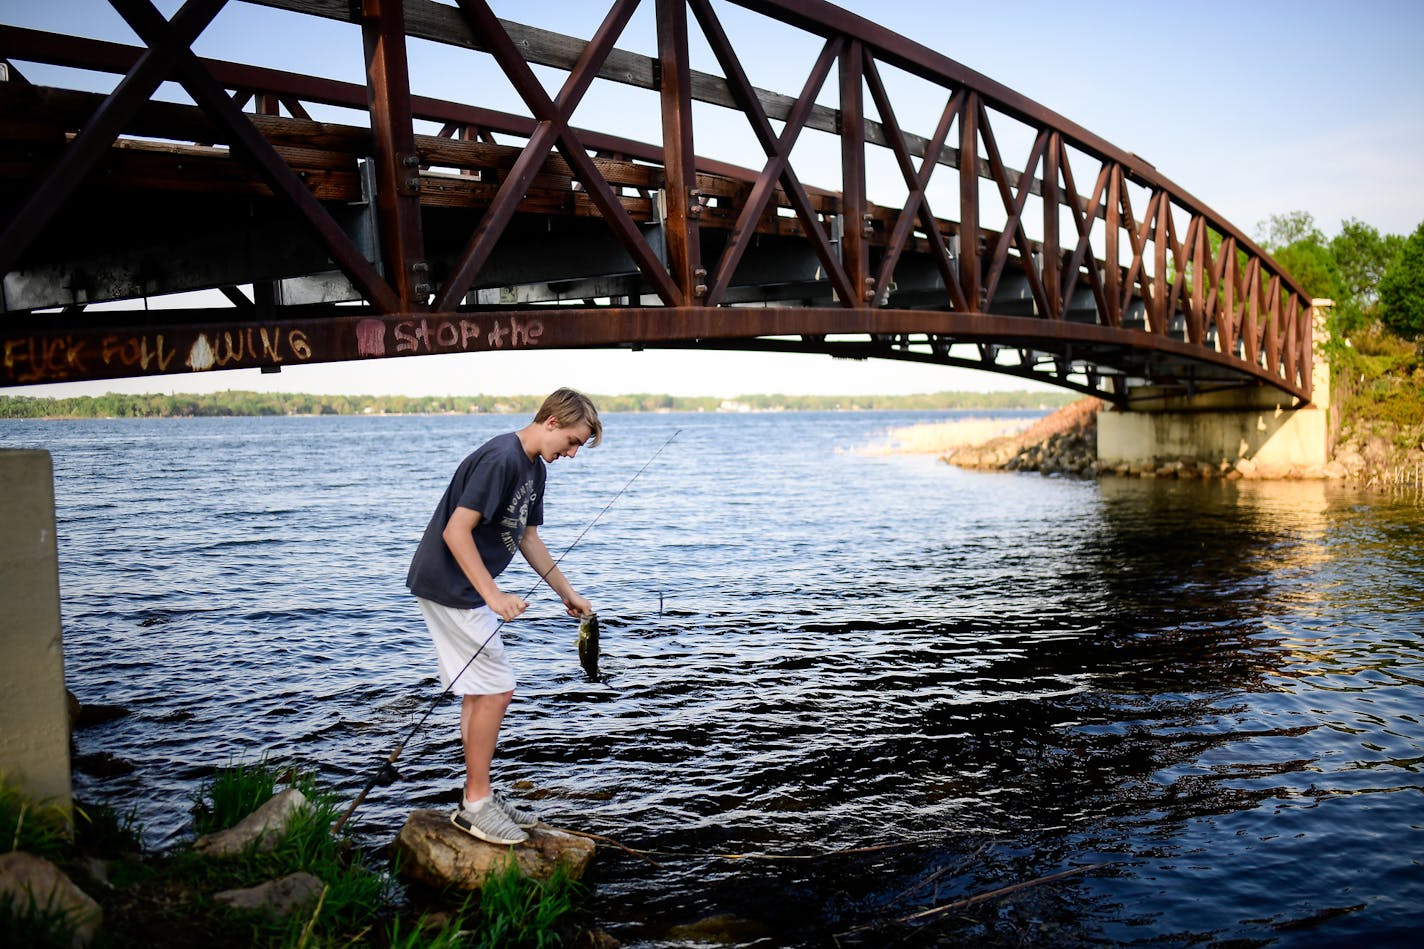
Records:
x=577, y=606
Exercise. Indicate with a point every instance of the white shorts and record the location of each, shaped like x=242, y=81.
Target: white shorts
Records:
x=458, y=635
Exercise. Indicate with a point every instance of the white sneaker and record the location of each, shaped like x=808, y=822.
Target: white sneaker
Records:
x=520, y=816
x=489, y=823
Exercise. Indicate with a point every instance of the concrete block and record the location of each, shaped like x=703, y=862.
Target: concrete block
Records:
x=34, y=714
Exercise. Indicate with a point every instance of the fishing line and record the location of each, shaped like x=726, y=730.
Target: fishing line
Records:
x=386, y=772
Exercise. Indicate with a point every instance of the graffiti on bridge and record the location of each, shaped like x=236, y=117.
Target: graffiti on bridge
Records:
x=424, y=336
x=59, y=357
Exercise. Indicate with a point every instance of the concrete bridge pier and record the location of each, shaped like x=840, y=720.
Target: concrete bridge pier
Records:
x=34, y=713
x=1261, y=425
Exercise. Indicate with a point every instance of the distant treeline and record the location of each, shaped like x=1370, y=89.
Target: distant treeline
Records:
x=115, y=405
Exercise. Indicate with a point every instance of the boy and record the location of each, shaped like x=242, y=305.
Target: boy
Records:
x=493, y=507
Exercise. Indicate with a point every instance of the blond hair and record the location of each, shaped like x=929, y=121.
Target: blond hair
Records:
x=570, y=408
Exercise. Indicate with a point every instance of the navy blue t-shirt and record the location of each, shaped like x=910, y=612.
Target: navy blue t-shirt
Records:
x=507, y=487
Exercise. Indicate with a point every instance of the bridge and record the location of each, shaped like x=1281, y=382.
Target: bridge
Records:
x=333, y=221
x=301, y=219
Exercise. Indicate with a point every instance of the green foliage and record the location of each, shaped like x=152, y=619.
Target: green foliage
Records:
x=1312, y=265
x=232, y=403
x=1397, y=407
x=102, y=831
x=1292, y=227
x=516, y=911
x=428, y=933
x=1383, y=378
x=1376, y=283
x=23, y=923
x=1382, y=352
x=1362, y=257
x=355, y=891
x=1401, y=292
x=232, y=794
x=172, y=893
x=38, y=828
x=355, y=894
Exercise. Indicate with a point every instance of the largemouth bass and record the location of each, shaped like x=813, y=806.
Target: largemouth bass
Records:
x=588, y=644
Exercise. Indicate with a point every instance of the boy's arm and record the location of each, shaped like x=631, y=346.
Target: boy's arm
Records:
x=459, y=537
x=531, y=545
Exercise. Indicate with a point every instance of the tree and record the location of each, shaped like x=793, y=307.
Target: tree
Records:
x=1401, y=292
x=1310, y=262
x=1362, y=257
x=1299, y=247
x=1281, y=230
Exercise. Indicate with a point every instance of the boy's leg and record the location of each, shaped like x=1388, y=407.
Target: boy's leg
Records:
x=480, y=719
x=472, y=664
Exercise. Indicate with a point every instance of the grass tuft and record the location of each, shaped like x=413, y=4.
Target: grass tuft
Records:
x=42, y=829
x=25, y=923
x=517, y=911
x=437, y=931
x=356, y=894
x=232, y=794
x=172, y=893
x=101, y=831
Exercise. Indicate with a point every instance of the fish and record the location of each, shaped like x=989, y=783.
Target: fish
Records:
x=588, y=644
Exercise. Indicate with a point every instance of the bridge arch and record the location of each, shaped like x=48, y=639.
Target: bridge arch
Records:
x=1023, y=243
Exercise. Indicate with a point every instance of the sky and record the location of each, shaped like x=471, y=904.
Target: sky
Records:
x=1253, y=107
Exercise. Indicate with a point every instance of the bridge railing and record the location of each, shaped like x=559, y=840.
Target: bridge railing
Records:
x=1088, y=233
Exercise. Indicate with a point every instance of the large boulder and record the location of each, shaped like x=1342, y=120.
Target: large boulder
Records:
x=27, y=880
x=433, y=851
x=264, y=828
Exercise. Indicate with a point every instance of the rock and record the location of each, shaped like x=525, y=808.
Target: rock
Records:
x=722, y=930
x=264, y=827
x=25, y=877
x=1064, y=442
x=102, y=764
x=91, y=714
x=277, y=899
x=1376, y=451
x=433, y=851
x=1351, y=460
x=98, y=871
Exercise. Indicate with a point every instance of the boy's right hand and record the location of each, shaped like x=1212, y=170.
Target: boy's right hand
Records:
x=506, y=606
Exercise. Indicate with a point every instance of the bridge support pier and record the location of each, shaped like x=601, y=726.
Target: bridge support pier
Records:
x=1259, y=425
x=34, y=742
x=1262, y=425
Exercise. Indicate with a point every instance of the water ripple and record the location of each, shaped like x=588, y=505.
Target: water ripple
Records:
x=1211, y=692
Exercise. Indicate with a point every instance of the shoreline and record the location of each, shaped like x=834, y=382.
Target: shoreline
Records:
x=233, y=403
x=1064, y=444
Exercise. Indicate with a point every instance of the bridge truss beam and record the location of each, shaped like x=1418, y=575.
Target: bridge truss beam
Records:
x=461, y=241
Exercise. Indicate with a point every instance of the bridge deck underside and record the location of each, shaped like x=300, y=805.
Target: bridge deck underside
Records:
x=160, y=218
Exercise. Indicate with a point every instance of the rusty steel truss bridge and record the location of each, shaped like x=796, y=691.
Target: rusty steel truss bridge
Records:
x=333, y=221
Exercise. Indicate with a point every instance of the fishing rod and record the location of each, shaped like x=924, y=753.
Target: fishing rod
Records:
x=386, y=773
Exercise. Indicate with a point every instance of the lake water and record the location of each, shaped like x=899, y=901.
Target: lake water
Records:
x=885, y=684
